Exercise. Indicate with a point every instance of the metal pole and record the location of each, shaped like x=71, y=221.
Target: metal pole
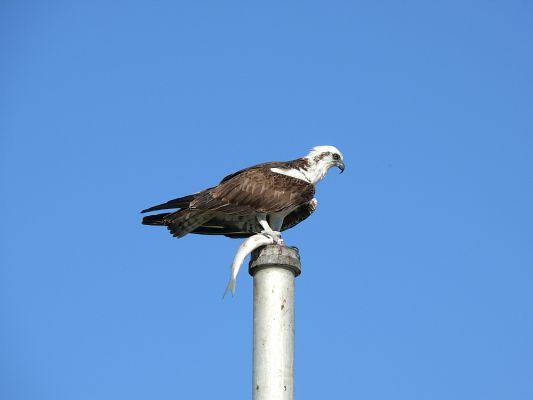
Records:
x=274, y=269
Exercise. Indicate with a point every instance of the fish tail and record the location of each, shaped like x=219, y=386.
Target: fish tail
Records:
x=232, y=283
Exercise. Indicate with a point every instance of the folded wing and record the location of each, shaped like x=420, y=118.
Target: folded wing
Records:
x=231, y=208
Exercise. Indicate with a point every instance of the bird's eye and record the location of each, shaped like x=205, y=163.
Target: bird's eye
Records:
x=336, y=156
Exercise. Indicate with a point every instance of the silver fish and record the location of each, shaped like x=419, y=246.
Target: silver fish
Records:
x=249, y=245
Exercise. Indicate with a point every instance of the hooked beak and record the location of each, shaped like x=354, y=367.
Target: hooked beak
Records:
x=340, y=164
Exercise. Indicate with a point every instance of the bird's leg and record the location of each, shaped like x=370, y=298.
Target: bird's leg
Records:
x=268, y=231
x=276, y=222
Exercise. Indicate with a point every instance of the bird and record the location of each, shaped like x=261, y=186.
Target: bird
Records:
x=264, y=199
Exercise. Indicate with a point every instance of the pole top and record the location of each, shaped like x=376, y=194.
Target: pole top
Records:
x=275, y=256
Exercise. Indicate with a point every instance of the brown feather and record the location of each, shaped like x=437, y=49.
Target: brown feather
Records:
x=256, y=189
x=230, y=208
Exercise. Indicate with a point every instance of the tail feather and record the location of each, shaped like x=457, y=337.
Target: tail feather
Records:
x=157, y=219
x=185, y=221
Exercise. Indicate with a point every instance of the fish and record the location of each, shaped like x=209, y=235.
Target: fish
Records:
x=249, y=245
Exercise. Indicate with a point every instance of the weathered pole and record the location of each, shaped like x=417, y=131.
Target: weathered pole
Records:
x=274, y=269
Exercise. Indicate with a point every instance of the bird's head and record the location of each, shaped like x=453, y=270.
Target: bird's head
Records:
x=321, y=159
x=328, y=156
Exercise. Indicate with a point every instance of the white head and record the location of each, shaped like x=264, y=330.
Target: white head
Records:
x=321, y=159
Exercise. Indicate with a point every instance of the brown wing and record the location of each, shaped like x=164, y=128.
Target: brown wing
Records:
x=238, y=226
x=254, y=190
x=298, y=215
x=180, y=202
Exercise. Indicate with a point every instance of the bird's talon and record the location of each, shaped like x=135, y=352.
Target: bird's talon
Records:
x=275, y=236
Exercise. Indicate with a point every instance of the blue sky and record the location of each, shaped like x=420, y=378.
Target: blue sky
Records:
x=417, y=266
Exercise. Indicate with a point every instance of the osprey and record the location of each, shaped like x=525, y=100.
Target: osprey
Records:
x=267, y=198
x=258, y=203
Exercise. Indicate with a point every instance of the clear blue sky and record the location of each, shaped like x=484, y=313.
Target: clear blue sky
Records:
x=418, y=264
